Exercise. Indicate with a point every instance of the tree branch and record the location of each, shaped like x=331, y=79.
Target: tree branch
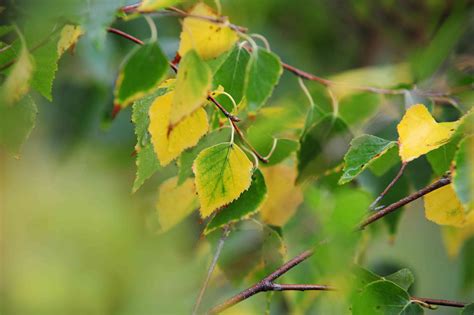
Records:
x=439, y=302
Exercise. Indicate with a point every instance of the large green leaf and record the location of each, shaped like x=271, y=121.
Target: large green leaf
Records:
x=247, y=204
x=403, y=278
x=357, y=108
x=142, y=71
x=463, y=177
x=322, y=147
x=362, y=152
x=441, y=158
x=264, y=71
x=384, y=297
x=46, y=64
x=231, y=75
x=16, y=123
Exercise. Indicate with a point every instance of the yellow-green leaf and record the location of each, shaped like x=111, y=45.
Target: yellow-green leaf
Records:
x=192, y=85
x=223, y=172
x=169, y=142
x=155, y=5
x=454, y=237
x=207, y=38
x=443, y=207
x=175, y=202
x=419, y=133
x=283, y=196
x=69, y=36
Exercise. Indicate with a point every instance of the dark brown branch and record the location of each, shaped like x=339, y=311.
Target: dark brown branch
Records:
x=439, y=302
x=264, y=285
x=392, y=183
x=396, y=205
x=125, y=35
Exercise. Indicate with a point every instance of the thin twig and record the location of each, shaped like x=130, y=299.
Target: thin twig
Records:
x=392, y=183
x=440, y=302
x=125, y=35
x=212, y=266
x=247, y=143
x=396, y=205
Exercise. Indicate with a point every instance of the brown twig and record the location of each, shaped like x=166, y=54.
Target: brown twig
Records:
x=247, y=143
x=439, y=302
x=125, y=35
x=389, y=186
x=396, y=205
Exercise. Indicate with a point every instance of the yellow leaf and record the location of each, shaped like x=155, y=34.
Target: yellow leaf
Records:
x=170, y=142
x=443, y=207
x=154, y=5
x=17, y=83
x=192, y=85
x=207, y=38
x=419, y=133
x=175, y=202
x=69, y=36
x=223, y=172
x=454, y=238
x=283, y=196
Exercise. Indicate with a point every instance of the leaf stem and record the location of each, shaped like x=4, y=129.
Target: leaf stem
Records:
x=392, y=183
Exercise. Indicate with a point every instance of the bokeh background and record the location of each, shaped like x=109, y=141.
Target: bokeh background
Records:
x=75, y=240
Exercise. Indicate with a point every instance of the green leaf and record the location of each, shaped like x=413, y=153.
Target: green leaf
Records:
x=231, y=75
x=463, y=177
x=142, y=71
x=16, y=123
x=46, y=64
x=363, y=277
x=264, y=71
x=357, y=108
x=384, y=297
x=385, y=162
x=403, y=278
x=426, y=62
x=223, y=172
x=283, y=149
x=467, y=263
x=362, y=152
x=247, y=204
x=441, y=158
x=468, y=309
x=155, y=5
x=187, y=157
x=322, y=147
x=273, y=248
x=146, y=161
x=192, y=86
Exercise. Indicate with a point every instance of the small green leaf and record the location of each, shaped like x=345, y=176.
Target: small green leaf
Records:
x=384, y=297
x=357, y=108
x=231, y=75
x=463, y=177
x=16, y=124
x=322, y=147
x=363, y=150
x=46, y=64
x=246, y=205
x=142, y=71
x=273, y=248
x=263, y=73
x=403, y=278
x=384, y=163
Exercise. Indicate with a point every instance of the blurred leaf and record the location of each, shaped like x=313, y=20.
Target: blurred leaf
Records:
x=242, y=208
x=192, y=85
x=46, y=64
x=142, y=71
x=463, y=174
x=467, y=263
x=441, y=158
x=207, y=38
x=155, y=5
x=263, y=74
x=168, y=142
x=384, y=163
x=468, y=309
x=283, y=149
x=273, y=249
x=68, y=38
x=223, y=172
x=443, y=207
x=454, y=237
x=175, y=202
x=231, y=75
x=187, y=157
x=283, y=196
x=16, y=124
x=322, y=147
x=384, y=297
x=357, y=108
x=419, y=133
x=403, y=278
x=362, y=152
x=426, y=62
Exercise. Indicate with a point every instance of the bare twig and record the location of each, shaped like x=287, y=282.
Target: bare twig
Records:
x=392, y=183
x=212, y=266
x=396, y=205
x=439, y=302
x=125, y=35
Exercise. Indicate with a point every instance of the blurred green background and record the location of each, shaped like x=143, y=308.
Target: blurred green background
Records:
x=74, y=240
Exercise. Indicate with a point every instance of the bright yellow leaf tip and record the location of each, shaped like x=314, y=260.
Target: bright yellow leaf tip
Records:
x=443, y=207
x=207, y=38
x=170, y=141
x=175, y=202
x=223, y=172
x=419, y=133
x=69, y=36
